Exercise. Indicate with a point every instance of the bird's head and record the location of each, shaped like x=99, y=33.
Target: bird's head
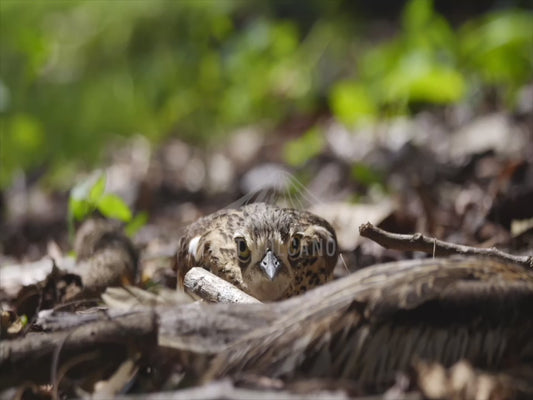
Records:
x=265, y=250
x=276, y=245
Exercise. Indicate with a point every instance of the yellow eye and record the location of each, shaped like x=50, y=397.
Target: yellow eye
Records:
x=243, y=251
x=294, y=248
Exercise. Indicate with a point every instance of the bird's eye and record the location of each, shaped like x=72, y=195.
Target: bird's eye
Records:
x=243, y=251
x=294, y=248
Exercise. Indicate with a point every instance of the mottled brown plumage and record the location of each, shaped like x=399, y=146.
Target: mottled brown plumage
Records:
x=269, y=252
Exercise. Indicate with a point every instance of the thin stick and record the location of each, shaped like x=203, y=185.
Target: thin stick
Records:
x=439, y=248
x=213, y=289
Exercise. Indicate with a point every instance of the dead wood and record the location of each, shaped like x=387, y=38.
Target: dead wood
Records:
x=370, y=325
x=193, y=333
x=34, y=354
x=197, y=327
x=362, y=328
x=209, y=328
x=213, y=289
x=438, y=248
x=226, y=390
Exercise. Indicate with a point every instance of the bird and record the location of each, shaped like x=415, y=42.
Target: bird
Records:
x=269, y=252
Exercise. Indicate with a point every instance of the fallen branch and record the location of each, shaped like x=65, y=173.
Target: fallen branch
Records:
x=34, y=353
x=226, y=390
x=207, y=329
x=365, y=327
x=213, y=289
x=438, y=248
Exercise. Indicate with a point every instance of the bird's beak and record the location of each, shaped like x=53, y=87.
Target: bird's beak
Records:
x=270, y=264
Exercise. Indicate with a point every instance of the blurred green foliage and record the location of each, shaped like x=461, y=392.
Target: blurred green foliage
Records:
x=89, y=196
x=297, y=151
x=366, y=175
x=75, y=73
x=499, y=49
x=429, y=62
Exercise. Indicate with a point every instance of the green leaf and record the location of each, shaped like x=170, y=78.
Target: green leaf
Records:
x=113, y=206
x=419, y=76
x=136, y=224
x=438, y=85
x=366, y=175
x=98, y=189
x=79, y=209
x=27, y=133
x=497, y=47
x=83, y=190
x=417, y=15
x=84, y=197
x=351, y=103
x=297, y=152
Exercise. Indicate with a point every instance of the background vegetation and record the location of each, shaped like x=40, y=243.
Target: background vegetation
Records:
x=75, y=74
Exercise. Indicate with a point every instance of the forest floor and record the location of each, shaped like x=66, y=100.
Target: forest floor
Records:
x=454, y=175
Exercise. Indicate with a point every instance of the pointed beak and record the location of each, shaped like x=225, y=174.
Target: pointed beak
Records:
x=270, y=264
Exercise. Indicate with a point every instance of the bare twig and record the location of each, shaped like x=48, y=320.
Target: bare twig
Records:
x=438, y=248
x=213, y=289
